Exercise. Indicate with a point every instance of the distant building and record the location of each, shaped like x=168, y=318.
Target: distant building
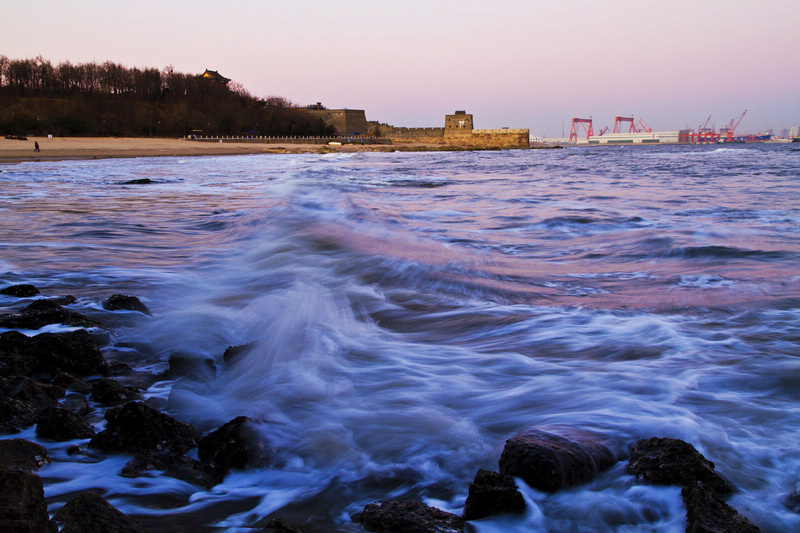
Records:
x=216, y=76
x=344, y=121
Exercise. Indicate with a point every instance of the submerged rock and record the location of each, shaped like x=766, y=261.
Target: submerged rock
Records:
x=707, y=513
x=24, y=290
x=235, y=445
x=22, y=454
x=549, y=462
x=74, y=352
x=665, y=461
x=395, y=516
x=41, y=313
x=112, y=392
x=136, y=427
x=22, y=504
x=126, y=302
x=491, y=494
x=61, y=425
x=91, y=513
x=194, y=368
x=233, y=353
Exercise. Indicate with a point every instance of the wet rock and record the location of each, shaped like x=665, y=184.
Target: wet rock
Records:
x=22, y=504
x=41, y=313
x=394, y=516
x=176, y=466
x=232, y=353
x=194, y=368
x=492, y=493
x=707, y=513
x=22, y=454
x=91, y=513
x=549, y=462
x=64, y=300
x=125, y=302
x=792, y=501
x=38, y=395
x=112, y=392
x=73, y=352
x=15, y=415
x=277, y=525
x=664, y=461
x=20, y=291
x=233, y=446
x=61, y=425
x=138, y=428
x=137, y=181
x=70, y=382
x=15, y=357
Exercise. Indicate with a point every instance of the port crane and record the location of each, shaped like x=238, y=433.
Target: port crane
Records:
x=644, y=127
x=573, y=134
x=732, y=127
x=618, y=119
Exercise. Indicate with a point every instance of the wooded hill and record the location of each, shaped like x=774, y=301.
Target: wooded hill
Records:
x=109, y=99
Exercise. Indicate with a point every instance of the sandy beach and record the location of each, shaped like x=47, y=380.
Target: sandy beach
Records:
x=59, y=148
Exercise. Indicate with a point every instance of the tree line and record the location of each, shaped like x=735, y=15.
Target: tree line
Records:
x=109, y=99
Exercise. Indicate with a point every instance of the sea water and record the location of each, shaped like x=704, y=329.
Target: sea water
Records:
x=412, y=311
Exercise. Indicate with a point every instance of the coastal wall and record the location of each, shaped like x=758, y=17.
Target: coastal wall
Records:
x=503, y=138
x=457, y=131
x=346, y=121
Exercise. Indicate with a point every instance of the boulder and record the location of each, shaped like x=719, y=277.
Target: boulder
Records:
x=792, y=501
x=38, y=395
x=137, y=428
x=70, y=382
x=125, y=302
x=24, y=290
x=41, y=313
x=22, y=504
x=233, y=446
x=232, y=353
x=15, y=358
x=707, y=513
x=73, y=352
x=22, y=454
x=491, y=494
x=664, y=461
x=15, y=415
x=191, y=367
x=549, y=462
x=393, y=516
x=61, y=425
x=112, y=392
x=175, y=466
x=91, y=513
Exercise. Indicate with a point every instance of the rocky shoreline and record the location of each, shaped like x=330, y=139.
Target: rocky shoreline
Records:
x=62, y=384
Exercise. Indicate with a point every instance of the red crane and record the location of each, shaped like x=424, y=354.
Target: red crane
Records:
x=603, y=131
x=643, y=126
x=573, y=134
x=618, y=119
x=732, y=127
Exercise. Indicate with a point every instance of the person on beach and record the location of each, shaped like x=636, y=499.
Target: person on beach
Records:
x=36, y=146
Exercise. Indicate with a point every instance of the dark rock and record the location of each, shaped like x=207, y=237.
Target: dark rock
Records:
x=41, y=313
x=20, y=291
x=22, y=454
x=394, y=516
x=91, y=513
x=137, y=181
x=15, y=357
x=176, y=466
x=70, y=382
x=491, y=494
x=707, y=513
x=233, y=446
x=674, y=462
x=137, y=428
x=36, y=394
x=64, y=300
x=125, y=302
x=232, y=353
x=60, y=425
x=15, y=415
x=74, y=352
x=112, y=392
x=792, y=501
x=22, y=504
x=277, y=525
x=550, y=462
x=194, y=368
x=76, y=403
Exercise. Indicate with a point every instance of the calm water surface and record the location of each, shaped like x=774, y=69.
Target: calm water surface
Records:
x=414, y=310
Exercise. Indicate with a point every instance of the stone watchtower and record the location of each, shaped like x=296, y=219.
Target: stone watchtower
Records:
x=461, y=122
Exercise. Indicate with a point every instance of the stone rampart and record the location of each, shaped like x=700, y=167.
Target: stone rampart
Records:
x=503, y=138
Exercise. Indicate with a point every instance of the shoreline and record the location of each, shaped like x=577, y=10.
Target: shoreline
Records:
x=87, y=148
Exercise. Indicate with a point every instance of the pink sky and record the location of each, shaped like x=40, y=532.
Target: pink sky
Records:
x=521, y=64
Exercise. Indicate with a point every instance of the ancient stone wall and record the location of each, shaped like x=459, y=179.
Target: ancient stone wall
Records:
x=504, y=138
x=346, y=121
